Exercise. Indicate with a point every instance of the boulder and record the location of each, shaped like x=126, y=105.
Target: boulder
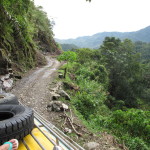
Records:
x=57, y=87
x=61, y=76
x=57, y=106
x=64, y=106
x=67, y=130
x=5, y=77
x=64, y=94
x=91, y=145
x=6, y=82
x=54, y=96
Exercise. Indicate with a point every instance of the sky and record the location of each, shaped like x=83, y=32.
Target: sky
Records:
x=75, y=18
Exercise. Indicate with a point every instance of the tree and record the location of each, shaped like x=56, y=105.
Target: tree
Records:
x=124, y=69
x=68, y=56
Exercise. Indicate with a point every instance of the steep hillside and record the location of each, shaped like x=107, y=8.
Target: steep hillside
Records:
x=96, y=40
x=24, y=31
x=109, y=89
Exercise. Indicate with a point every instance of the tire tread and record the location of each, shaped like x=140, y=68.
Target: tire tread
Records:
x=18, y=128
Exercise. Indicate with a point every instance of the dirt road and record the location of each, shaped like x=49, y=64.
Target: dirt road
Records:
x=33, y=89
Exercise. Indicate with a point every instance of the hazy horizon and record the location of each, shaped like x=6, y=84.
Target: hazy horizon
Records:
x=101, y=32
x=76, y=18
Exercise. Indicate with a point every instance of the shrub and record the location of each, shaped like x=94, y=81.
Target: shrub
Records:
x=90, y=98
x=133, y=122
x=135, y=143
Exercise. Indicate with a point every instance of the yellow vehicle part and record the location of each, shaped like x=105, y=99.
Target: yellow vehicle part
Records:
x=33, y=145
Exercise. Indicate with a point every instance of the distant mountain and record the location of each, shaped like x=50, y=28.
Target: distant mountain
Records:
x=96, y=40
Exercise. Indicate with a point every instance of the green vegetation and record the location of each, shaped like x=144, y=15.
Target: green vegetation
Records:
x=67, y=47
x=133, y=126
x=110, y=86
x=25, y=29
x=113, y=90
x=144, y=49
x=69, y=57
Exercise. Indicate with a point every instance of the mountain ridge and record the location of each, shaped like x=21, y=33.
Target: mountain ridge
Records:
x=96, y=40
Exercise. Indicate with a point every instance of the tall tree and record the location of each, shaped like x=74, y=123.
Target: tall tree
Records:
x=124, y=70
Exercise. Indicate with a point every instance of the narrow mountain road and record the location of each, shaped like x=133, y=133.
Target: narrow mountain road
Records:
x=33, y=89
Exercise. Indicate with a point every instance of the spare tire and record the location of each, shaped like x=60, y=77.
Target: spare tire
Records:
x=16, y=121
x=8, y=98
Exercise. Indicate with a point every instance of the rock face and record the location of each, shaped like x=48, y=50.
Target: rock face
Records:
x=91, y=145
x=4, y=63
x=57, y=106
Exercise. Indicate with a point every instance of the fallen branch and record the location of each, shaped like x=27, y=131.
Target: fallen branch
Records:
x=71, y=115
x=71, y=124
x=79, y=126
x=62, y=126
x=79, y=134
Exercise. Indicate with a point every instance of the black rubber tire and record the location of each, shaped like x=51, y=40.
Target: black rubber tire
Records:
x=8, y=98
x=16, y=121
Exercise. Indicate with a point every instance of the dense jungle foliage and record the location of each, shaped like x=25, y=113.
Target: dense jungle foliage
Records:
x=112, y=89
x=24, y=30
